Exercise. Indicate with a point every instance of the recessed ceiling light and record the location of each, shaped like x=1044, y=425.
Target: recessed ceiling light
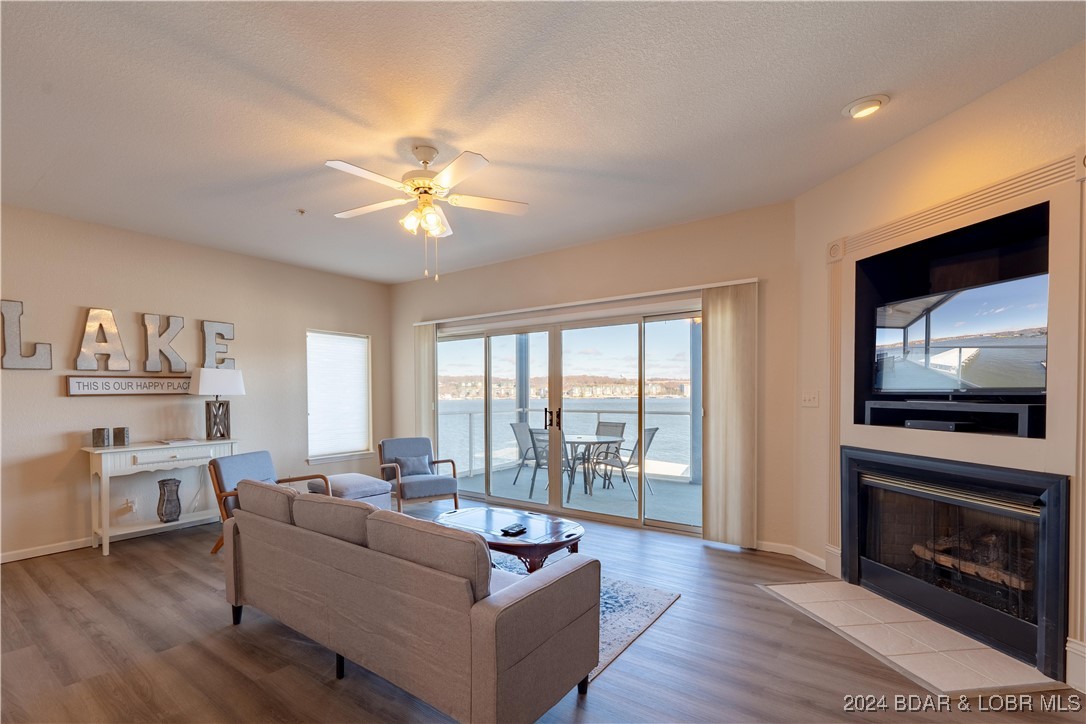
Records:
x=863, y=107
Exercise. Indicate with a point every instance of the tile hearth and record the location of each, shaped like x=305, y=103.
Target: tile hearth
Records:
x=936, y=657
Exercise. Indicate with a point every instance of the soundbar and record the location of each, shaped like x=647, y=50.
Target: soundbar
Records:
x=942, y=425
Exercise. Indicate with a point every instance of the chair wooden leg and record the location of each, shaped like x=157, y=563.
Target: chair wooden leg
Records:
x=339, y=666
x=456, y=501
x=236, y=612
x=218, y=544
x=399, y=504
x=582, y=686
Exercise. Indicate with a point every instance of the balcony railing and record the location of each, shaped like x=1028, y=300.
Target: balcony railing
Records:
x=465, y=441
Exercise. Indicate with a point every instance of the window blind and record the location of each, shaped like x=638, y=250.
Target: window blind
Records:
x=338, y=383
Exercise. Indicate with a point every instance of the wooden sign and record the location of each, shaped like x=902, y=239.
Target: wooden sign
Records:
x=96, y=386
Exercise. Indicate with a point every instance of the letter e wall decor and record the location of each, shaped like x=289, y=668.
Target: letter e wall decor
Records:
x=214, y=333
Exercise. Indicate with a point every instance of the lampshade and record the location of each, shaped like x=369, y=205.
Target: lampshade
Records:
x=216, y=381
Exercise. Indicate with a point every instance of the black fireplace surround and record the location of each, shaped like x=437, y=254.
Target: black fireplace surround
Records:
x=979, y=548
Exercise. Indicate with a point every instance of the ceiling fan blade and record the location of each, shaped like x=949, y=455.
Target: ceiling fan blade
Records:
x=372, y=207
x=444, y=221
x=368, y=175
x=461, y=167
x=484, y=204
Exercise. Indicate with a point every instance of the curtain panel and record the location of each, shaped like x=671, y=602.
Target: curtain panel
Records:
x=425, y=381
x=730, y=426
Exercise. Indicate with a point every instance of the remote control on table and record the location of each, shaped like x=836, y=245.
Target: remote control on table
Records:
x=515, y=529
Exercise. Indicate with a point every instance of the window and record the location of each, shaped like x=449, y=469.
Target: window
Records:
x=338, y=374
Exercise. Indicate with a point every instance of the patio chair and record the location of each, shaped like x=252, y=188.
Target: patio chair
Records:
x=541, y=441
x=611, y=429
x=610, y=461
x=523, y=433
x=408, y=463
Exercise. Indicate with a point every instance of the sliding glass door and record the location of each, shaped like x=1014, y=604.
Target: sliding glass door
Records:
x=671, y=437
x=601, y=382
x=461, y=432
x=519, y=386
x=623, y=437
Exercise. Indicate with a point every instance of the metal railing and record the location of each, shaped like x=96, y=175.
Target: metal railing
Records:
x=476, y=453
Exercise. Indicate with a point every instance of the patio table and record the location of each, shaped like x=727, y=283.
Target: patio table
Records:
x=590, y=443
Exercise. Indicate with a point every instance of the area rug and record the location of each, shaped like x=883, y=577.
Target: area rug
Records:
x=626, y=610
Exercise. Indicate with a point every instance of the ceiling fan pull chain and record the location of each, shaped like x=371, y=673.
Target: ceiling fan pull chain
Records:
x=425, y=254
x=437, y=270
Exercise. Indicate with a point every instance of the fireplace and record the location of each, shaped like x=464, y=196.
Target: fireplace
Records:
x=978, y=548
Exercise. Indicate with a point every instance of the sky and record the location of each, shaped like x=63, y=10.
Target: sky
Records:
x=1007, y=306
x=608, y=351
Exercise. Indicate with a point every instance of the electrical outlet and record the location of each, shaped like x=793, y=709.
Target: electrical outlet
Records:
x=809, y=399
x=130, y=505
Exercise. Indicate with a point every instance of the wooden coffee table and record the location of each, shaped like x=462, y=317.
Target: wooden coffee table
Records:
x=545, y=535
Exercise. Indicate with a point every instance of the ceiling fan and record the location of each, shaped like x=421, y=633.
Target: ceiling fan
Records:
x=425, y=188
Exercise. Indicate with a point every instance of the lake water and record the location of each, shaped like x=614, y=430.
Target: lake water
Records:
x=579, y=416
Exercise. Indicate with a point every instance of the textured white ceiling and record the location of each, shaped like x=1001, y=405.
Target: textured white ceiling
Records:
x=211, y=122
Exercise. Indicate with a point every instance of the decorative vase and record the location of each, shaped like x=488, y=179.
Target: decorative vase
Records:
x=169, y=502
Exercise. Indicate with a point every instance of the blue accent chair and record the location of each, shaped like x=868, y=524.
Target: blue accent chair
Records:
x=408, y=463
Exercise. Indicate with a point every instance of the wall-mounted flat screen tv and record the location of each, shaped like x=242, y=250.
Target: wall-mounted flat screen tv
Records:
x=984, y=340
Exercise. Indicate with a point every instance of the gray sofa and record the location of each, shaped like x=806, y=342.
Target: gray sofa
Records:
x=415, y=602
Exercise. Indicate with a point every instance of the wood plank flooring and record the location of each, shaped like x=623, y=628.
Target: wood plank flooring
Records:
x=145, y=635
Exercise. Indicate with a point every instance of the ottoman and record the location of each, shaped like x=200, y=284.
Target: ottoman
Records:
x=356, y=486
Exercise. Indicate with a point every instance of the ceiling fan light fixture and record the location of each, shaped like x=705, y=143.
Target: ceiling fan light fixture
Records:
x=430, y=220
x=410, y=223
x=864, y=107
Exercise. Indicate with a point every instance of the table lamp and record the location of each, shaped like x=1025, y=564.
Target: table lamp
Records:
x=216, y=381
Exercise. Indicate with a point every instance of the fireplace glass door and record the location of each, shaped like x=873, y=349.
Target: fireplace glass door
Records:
x=981, y=548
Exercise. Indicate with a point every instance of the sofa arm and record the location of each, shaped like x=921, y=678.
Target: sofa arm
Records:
x=534, y=640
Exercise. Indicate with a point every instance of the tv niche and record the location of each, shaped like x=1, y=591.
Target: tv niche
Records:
x=952, y=331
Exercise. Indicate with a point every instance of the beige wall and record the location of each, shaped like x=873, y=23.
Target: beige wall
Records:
x=1030, y=121
x=752, y=243
x=58, y=268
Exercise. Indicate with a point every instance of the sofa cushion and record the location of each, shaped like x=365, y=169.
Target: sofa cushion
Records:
x=342, y=519
x=351, y=486
x=429, y=544
x=426, y=486
x=413, y=465
x=500, y=579
x=267, y=500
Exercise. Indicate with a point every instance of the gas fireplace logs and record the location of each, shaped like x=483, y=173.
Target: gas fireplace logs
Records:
x=982, y=553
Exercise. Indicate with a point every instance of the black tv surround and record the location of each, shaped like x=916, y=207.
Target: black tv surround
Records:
x=1013, y=246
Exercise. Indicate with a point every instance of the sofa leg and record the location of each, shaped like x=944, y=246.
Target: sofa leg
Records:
x=236, y=610
x=339, y=666
x=218, y=544
x=582, y=686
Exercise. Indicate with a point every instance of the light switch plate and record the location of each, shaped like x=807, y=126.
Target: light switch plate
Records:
x=809, y=399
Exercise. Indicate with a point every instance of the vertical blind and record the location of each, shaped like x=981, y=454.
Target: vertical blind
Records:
x=338, y=374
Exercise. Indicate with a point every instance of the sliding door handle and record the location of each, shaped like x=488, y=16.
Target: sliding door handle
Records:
x=558, y=418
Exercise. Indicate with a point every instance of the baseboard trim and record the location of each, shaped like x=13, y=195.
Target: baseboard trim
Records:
x=833, y=560
x=70, y=545
x=771, y=547
x=1076, y=664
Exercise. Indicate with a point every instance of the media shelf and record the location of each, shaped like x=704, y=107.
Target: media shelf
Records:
x=993, y=418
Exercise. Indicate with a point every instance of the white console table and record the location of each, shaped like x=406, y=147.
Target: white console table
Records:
x=107, y=462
